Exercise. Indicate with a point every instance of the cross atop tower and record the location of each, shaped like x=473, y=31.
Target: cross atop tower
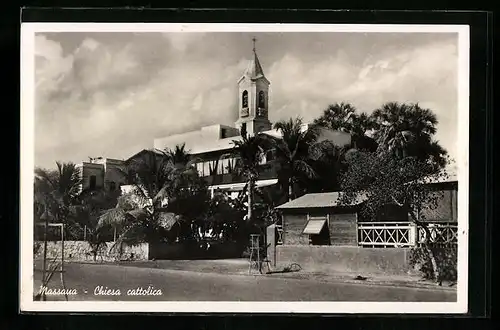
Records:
x=253, y=99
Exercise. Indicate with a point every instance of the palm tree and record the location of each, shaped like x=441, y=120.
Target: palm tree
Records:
x=139, y=211
x=250, y=151
x=293, y=154
x=344, y=117
x=90, y=205
x=54, y=194
x=56, y=190
x=179, y=155
x=164, y=194
x=337, y=117
x=407, y=130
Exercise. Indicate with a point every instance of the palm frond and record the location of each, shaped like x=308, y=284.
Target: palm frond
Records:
x=167, y=220
x=300, y=166
x=112, y=217
x=138, y=214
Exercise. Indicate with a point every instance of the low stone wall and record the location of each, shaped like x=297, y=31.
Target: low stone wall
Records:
x=195, y=250
x=346, y=259
x=82, y=251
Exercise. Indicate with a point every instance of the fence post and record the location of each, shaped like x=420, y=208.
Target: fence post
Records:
x=271, y=244
x=413, y=233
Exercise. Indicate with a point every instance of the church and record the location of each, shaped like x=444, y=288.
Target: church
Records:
x=212, y=144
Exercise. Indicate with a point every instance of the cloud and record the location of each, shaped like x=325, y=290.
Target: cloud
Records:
x=110, y=97
x=103, y=105
x=425, y=74
x=181, y=41
x=51, y=67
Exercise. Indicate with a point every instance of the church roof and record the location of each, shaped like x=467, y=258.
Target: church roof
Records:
x=196, y=142
x=254, y=69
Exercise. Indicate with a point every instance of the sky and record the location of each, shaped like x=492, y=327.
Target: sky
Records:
x=112, y=94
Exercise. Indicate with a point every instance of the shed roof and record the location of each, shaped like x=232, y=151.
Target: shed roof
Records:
x=329, y=199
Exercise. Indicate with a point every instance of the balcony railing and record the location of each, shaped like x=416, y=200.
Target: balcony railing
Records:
x=404, y=234
x=441, y=233
x=386, y=234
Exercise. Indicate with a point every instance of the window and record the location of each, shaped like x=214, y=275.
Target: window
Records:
x=230, y=165
x=314, y=227
x=92, y=182
x=225, y=166
x=244, y=128
x=199, y=167
x=236, y=163
x=223, y=133
x=244, y=99
x=263, y=159
x=270, y=155
x=317, y=229
x=112, y=186
x=220, y=167
x=213, y=167
x=206, y=169
x=262, y=99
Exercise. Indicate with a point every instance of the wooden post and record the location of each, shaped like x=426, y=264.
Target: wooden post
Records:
x=114, y=235
x=44, y=271
x=85, y=233
x=271, y=234
x=62, y=262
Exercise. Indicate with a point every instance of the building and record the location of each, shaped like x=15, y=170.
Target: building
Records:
x=321, y=235
x=100, y=173
x=319, y=219
x=212, y=144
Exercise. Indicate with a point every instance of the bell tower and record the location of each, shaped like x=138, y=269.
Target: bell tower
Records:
x=253, y=98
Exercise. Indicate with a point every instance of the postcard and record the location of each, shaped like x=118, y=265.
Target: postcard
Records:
x=244, y=168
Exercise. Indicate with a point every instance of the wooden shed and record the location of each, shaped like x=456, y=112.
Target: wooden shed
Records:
x=318, y=219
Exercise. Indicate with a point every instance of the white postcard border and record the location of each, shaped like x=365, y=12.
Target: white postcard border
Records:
x=27, y=304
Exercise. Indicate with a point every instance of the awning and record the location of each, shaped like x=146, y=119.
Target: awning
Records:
x=314, y=227
x=241, y=185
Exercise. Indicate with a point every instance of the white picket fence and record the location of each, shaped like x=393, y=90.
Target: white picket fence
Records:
x=404, y=234
x=397, y=234
x=386, y=234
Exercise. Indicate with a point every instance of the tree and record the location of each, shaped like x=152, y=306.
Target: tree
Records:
x=293, y=154
x=55, y=192
x=344, y=117
x=330, y=162
x=337, y=117
x=179, y=156
x=406, y=129
x=90, y=205
x=250, y=151
x=382, y=179
x=164, y=195
x=224, y=216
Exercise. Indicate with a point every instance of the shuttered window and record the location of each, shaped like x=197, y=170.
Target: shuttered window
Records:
x=314, y=227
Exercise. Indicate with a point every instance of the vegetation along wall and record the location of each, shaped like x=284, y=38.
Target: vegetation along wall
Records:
x=82, y=251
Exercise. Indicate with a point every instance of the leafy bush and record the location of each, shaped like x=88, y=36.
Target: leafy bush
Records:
x=36, y=247
x=446, y=258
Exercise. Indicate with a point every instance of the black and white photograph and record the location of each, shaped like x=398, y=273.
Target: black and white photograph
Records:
x=253, y=168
